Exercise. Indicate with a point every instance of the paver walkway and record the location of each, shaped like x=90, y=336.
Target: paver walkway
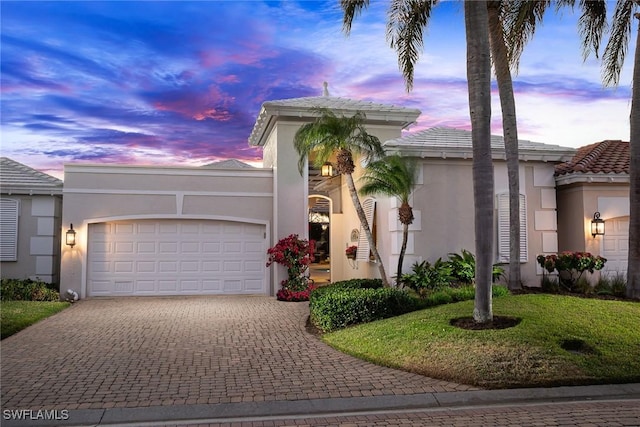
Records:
x=141, y=352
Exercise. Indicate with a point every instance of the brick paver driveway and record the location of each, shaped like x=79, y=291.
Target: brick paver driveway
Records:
x=138, y=352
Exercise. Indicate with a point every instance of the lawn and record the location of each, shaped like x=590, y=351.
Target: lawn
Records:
x=601, y=340
x=17, y=315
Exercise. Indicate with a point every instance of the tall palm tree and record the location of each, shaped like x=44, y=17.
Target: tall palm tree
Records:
x=613, y=59
x=394, y=176
x=476, y=23
x=592, y=24
x=343, y=137
x=499, y=54
x=407, y=20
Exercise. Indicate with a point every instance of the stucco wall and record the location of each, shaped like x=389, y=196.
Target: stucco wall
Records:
x=576, y=205
x=38, y=239
x=98, y=193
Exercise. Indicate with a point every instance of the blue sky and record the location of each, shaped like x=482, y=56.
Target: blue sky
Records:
x=181, y=83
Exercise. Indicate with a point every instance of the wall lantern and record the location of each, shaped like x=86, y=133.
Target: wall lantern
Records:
x=327, y=169
x=597, y=225
x=71, y=236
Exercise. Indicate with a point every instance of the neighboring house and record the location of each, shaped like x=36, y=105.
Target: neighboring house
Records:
x=596, y=180
x=30, y=221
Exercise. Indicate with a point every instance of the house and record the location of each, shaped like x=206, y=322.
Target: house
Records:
x=596, y=181
x=144, y=230
x=30, y=213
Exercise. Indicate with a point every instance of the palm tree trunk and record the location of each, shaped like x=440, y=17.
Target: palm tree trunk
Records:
x=365, y=226
x=479, y=82
x=403, y=249
x=510, y=133
x=633, y=263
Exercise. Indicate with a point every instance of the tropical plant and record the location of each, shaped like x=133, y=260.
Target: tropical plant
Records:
x=393, y=176
x=426, y=277
x=343, y=137
x=463, y=268
x=295, y=254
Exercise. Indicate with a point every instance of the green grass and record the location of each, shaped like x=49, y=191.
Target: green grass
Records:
x=17, y=315
x=527, y=355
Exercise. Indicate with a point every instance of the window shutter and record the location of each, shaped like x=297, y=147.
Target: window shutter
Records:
x=503, y=228
x=8, y=230
x=369, y=206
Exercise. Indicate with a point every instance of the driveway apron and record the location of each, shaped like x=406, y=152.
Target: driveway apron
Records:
x=151, y=351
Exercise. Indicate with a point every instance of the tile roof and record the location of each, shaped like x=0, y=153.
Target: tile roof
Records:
x=228, y=164
x=16, y=178
x=605, y=157
x=457, y=143
x=303, y=107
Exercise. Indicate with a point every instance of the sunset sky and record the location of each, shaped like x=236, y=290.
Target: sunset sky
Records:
x=181, y=83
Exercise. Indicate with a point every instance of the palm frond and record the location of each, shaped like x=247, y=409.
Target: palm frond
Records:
x=520, y=20
x=407, y=21
x=351, y=9
x=330, y=133
x=394, y=176
x=592, y=25
x=616, y=49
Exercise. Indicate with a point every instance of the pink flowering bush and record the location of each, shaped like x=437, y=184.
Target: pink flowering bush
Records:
x=571, y=266
x=296, y=254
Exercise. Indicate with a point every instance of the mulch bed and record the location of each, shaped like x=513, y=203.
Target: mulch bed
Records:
x=498, y=322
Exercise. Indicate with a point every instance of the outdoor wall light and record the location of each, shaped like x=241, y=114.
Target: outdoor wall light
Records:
x=597, y=225
x=327, y=169
x=71, y=236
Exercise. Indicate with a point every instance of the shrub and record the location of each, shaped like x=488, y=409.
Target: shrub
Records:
x=463, y=293
x=463, y=268
x=296, y=254
x=27, y=290
x=611, y=285
x=343, y=304
x=426, y=277
x=570, y=267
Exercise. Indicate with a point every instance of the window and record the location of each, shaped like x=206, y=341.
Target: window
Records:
x=8, y=230
x=364, y=250
x=503, y=228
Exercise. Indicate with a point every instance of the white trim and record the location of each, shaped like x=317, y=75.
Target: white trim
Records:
x=168, y=193
x=169, y=170
x=575, y=177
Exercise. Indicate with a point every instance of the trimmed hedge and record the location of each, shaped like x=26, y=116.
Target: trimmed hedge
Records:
x=27, y=290
x=352, y=302
x=451, y=295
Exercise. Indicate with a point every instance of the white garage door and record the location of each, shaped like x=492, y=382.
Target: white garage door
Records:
x=615, y=245
x=176, y=257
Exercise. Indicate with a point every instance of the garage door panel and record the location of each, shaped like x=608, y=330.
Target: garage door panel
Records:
x=173, y=257
x=615, y=246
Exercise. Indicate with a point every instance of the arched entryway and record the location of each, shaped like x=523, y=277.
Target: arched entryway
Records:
x=319, y=231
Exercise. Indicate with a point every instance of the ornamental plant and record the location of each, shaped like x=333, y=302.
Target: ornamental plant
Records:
x=351, y=252
x=295, y=254
x=571, y=266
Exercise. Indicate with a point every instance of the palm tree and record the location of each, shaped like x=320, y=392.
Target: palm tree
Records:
x=592, y=25
x=476, y=22
x=499, y=54
x=407, y=20
x=393, y=176
x=343, y=137
x=613, y=59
